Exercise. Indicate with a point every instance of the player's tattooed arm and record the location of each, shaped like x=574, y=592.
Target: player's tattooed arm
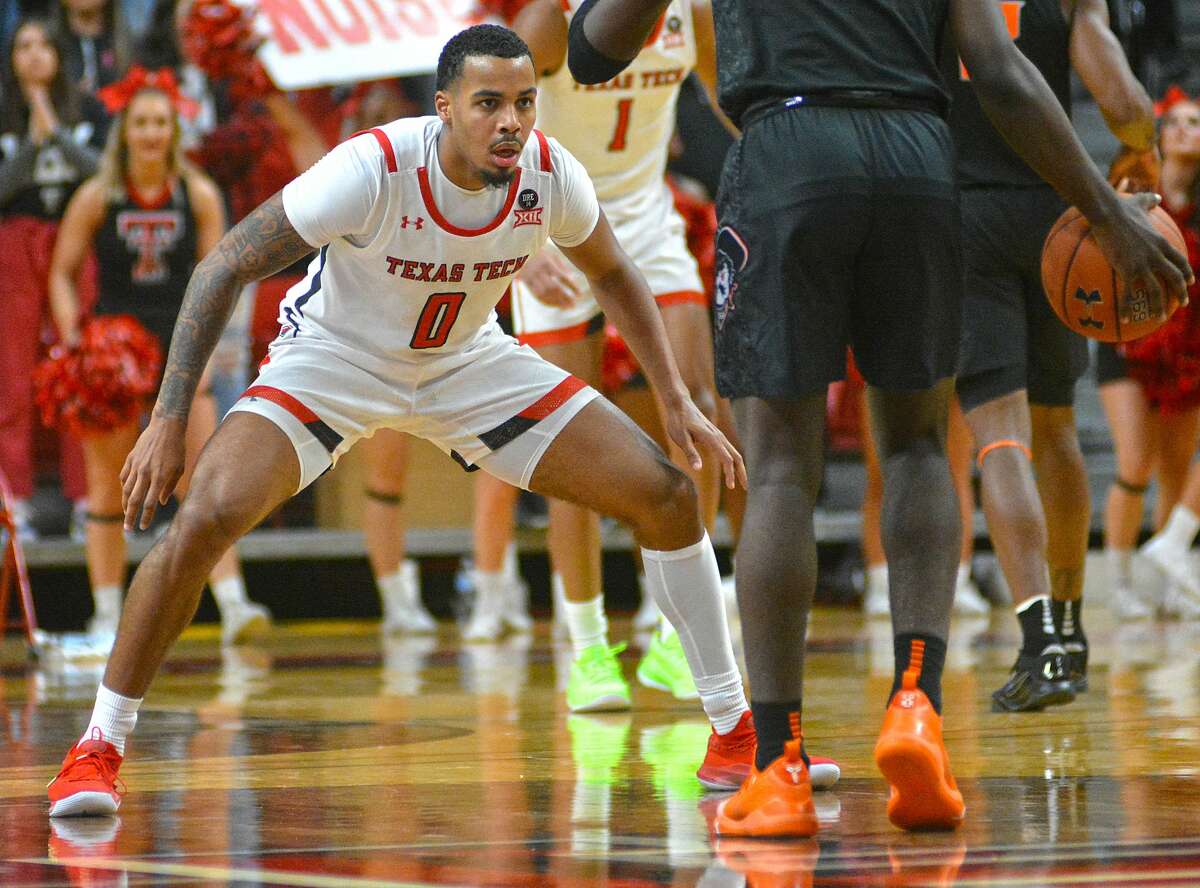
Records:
x=260, y=245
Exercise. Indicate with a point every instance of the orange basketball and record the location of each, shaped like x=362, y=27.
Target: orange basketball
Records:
x=1082, y=287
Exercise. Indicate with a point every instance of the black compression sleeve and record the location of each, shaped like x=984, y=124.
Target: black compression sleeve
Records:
x=587, y=64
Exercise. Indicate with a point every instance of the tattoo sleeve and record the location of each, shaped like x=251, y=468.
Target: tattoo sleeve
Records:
x=260, y=245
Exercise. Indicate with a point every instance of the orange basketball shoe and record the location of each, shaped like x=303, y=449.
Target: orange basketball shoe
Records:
x=774, y=802
x=912, y=757
x=88, y=782
x=730, y=757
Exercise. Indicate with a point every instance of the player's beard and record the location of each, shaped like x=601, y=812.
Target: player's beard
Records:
x=497, y=178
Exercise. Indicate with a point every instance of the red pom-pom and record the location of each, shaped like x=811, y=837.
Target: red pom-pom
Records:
x=1167, y=362
x=103, y=382
x=219, y=37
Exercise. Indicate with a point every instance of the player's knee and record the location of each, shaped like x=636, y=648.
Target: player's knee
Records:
x=672, y=496
x=207, y=524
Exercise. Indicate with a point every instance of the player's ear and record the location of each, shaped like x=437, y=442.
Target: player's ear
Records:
x=441, y=104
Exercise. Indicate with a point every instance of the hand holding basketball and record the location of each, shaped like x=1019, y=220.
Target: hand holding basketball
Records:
x=1118, y=280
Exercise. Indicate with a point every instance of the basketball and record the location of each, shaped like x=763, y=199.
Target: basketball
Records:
x=1082, y=287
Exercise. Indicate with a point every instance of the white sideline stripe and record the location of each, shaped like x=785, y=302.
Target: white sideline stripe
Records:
x=228, y=874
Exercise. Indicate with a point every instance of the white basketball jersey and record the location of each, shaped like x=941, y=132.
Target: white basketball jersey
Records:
x=409, y=263
x=620, y=130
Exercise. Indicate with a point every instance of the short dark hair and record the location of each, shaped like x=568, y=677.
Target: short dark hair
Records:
x=478, y=40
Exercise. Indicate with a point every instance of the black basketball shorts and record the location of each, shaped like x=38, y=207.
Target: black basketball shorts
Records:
x=837, y=227
x=1012, y=339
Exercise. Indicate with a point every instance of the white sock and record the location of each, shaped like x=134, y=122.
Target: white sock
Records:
x=489, y=588
x=509, y=568
x=877, y=576
x=1181, y=527
x=586, y=623
x=686, y=585
x=391, y=587
x=229, y=592
x=114, y=716
x=1120, y=566
x=558, y=593
x=107, y=600
x=964, y=575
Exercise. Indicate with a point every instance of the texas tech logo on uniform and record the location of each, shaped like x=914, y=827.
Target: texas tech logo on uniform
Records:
x=150, y=234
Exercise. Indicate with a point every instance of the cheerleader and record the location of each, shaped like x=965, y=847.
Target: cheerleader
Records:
x=149, y=217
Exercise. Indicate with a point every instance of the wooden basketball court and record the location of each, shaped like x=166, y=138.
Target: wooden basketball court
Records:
x=330, y=756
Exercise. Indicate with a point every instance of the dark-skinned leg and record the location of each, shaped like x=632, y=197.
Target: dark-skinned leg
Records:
x=1003, y=431
x=777, y=574
x=1066, y=501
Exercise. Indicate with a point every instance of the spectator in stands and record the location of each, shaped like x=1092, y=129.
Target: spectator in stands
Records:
x=50, y=138
x=170, y=215
x=1151, y=394
x=99, y=44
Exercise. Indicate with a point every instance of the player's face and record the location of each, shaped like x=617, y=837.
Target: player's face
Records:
x=149, y=128
x=490, y=110
x=1181, y=132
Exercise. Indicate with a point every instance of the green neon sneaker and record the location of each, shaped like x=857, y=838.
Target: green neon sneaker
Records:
x=666, y=668
x=596, y=683
x=598, y=745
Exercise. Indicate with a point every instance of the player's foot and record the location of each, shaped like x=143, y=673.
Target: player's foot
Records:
x=486, y=622
x=913, y=759
x=1035, y=683
x=516, y=604
x=968, y=601
x=665, y=668
x=87, y=784
x=102, y=624
x=243, y=621
x=403, y=610
x=1129, y=602
x=730, y=757
x=775, y=802
x=596, y=683
x=1173, y=562
x=1077, y=663
x=1179, y=605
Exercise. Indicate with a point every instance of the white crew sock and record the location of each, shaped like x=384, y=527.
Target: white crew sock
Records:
x=558, y=595
x=489, y=589
x=686, y=585
x=509, y=568
x=964, y=575
x=390, y=586
x=877, y=576
x=1120, y=566
x=229, y=592
x=1181, y=527
x=586, y=623
x=114, y=716
x=107, y=601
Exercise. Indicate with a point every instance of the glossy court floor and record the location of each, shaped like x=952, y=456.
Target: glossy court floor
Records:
x=330, y=756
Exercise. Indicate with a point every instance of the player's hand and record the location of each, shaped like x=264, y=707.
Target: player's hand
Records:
x=690, y=429
x=1135, y=171
x=1155, y=273
x=551, y=279
x=152, y=470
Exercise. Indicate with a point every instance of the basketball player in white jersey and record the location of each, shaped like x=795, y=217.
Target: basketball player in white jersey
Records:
x=420, y=226
x=620, y=132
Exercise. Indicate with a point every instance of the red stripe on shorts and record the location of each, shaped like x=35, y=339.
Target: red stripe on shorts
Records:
x=553, y=399
x=284, y=400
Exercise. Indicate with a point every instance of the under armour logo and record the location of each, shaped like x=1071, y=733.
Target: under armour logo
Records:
x=416, y=223
x=1089, y=298
x=796, y=771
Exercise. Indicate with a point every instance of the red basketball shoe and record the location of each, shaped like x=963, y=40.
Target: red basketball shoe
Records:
x=88, y=782
x=731, y=756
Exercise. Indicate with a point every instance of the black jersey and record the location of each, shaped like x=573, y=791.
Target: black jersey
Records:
x=145, y=253
x=984, y=158
x=53, y=176
x=772, y=49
